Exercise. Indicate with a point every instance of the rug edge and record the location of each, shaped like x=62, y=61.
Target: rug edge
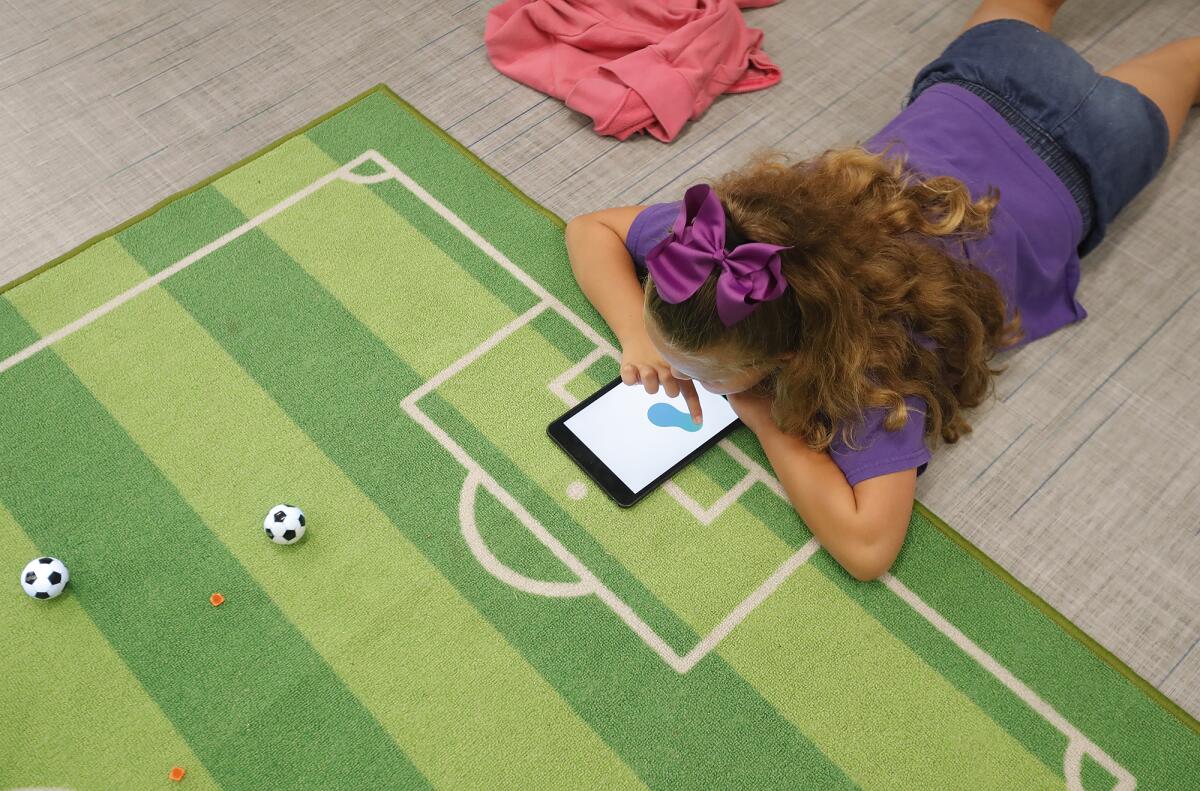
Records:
x=100, y=237
x=1062, y=621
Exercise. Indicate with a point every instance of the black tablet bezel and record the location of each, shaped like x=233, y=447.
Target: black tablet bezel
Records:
x=599, y=472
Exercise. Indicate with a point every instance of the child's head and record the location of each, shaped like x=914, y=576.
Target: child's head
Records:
x=828, y=325
x=708, y=340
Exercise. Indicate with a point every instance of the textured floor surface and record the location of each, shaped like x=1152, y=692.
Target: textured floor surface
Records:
x=1082, y=479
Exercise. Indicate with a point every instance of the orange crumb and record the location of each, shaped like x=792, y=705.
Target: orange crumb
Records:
x=177, y=772
x=216, y=600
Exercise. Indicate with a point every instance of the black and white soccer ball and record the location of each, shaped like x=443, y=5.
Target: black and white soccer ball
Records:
x=284, y=524
x=44, y=577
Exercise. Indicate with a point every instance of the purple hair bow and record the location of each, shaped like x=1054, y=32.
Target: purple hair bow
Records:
x=679, y=264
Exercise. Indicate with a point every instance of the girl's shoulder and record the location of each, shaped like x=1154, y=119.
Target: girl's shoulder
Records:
x=649, y=227
x=878, y=451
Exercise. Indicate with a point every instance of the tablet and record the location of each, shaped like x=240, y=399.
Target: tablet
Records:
x=629, y=441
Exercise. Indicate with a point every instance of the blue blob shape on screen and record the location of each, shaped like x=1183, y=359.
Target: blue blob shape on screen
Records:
x=665, y=415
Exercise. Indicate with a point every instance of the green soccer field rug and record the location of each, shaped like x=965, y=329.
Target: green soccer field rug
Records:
x=365, y=322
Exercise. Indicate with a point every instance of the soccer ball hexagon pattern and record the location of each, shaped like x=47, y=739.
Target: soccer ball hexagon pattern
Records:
x=284, y=524
x=44, y=577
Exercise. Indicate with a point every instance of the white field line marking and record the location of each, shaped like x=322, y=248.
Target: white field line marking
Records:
x=739, y=613
x=441, y=376
x=559, y=385
x=1078, y=744
x=479, y=548
x=159, y=277
x=588, y=582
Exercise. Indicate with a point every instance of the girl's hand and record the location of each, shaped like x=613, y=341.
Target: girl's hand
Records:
x=641, y=363
x=754, y=408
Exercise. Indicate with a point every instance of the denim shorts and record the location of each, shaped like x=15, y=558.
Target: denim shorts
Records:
x=1104, y=138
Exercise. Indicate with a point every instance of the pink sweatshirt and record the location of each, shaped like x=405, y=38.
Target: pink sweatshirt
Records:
x=632, y=65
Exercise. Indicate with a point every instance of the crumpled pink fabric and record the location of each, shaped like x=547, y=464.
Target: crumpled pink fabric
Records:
x=631, y=65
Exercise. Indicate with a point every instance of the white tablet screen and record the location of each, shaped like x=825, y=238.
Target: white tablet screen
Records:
x=640, y=436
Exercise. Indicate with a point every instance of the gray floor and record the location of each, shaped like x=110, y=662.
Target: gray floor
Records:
x=1082, y=479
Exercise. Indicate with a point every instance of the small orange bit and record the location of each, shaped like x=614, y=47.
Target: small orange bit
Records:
x=177, y=772
x=216, y=600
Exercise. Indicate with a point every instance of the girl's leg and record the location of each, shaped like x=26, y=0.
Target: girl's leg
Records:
x=1039, y=13
x=1169, y=76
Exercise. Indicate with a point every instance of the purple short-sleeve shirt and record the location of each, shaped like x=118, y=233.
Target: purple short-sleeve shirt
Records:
x=1031, y=247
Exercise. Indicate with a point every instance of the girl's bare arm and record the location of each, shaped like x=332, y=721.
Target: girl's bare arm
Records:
x=604, y=268
x=605, y=271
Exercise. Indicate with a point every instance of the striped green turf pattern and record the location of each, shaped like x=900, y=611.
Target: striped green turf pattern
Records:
x=64, y=687
x=295, y=349
x=142, y=566
x=298, y=344
x=14, y=332
x=251, y=447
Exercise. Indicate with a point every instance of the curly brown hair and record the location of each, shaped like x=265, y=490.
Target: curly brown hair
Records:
x=870, y=267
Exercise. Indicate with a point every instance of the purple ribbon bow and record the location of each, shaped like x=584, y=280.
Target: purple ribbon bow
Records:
x=679, y=264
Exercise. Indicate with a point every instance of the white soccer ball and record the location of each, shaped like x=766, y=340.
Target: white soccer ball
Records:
x=44, y=578
x=284, y=524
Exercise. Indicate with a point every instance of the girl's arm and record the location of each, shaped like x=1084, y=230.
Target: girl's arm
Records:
x=604, y=268
x=863, y=526
x=605, y=271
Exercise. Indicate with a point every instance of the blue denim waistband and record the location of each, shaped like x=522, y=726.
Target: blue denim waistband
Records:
x=1058, y=159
